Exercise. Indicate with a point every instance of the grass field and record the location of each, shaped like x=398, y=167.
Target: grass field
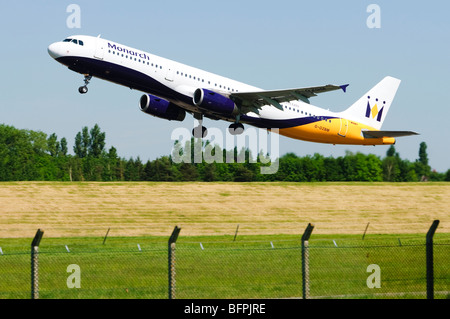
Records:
x=263, y=262
x=153, y=209
x=262, y=266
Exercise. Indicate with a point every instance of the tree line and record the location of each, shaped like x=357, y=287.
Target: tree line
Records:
x=27, y=155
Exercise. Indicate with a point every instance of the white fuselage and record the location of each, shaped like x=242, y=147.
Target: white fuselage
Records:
x=176, y=83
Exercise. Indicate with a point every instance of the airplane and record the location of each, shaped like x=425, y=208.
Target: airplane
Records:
x=173, y=89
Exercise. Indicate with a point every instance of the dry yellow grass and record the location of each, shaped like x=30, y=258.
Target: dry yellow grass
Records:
x=135, y=209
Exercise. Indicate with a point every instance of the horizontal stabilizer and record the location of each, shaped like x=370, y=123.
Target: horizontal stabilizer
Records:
x=380, y=134
x=344, y=87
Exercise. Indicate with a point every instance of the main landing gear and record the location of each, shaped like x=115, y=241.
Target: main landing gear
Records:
x=236, y=128
x=84, y=89
x=200, y=131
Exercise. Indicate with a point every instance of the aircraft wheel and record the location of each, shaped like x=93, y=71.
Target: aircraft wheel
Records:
x=236, y=129
x=199, y=131
x=83, y=89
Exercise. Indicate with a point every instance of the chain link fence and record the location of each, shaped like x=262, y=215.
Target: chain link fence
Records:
x=377, y=269
x=385, y=267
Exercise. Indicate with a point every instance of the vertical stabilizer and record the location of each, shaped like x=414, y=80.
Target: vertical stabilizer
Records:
x=371, y=109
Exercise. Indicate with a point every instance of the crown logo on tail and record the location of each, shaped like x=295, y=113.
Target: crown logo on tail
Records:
x=376, y=110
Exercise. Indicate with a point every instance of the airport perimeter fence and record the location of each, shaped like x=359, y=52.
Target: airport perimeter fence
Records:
x=324, y=268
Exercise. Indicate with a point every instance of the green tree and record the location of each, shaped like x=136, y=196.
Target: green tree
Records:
x=447, y=176
x=78, y=147
x=63, y=145
x=423, y=156
x=96, y=142
x=391, y=165
x=188, y=172
x=391, y=151
x=53, y=145
x=333, y=171
x=422, y=168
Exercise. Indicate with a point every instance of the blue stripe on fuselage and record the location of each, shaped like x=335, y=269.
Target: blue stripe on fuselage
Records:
x=140, y=81
x=122, y=75
x=283, y=123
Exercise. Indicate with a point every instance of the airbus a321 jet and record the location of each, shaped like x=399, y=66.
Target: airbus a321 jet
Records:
x=173, y=89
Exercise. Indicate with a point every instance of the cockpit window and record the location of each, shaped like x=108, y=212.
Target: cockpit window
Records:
x=79, y=42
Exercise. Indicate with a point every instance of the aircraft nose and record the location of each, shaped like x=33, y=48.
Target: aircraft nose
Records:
x=55, y=50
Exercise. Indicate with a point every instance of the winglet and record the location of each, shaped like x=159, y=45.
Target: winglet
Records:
x=344, y=87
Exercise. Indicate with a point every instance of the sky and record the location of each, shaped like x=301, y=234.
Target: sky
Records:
x=268, y=44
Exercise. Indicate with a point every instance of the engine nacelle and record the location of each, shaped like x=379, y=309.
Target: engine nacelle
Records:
x=214, y=102
x=159, y=107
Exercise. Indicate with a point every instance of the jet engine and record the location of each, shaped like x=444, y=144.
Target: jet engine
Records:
x=159, y=107
x=214, y=102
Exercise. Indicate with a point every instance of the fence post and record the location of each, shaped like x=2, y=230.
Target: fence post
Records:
x=364, y=235
x=429, y=259
x=104, y=239
x=235, y=234
x=172, y=268
x=305, y=260
x=35, y=264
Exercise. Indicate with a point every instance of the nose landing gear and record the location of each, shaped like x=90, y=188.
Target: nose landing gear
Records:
x=84, y=89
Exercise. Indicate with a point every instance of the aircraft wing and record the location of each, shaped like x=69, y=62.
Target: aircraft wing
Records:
x=379, y=134
x=259, y=98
